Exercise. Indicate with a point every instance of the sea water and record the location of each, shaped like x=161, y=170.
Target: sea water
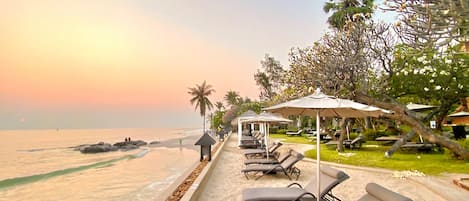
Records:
x=43, y=164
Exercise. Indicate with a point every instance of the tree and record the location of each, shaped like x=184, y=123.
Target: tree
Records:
x=349, y=64
x=232, y=98
x=431, y=24
x=435, y=78
x=269, y=80
x=200, y=95
x=219, y=105
x=346, y=11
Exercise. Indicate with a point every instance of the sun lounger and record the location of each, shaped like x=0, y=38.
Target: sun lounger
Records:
x=375, y=192
x=293, y=133
x=351, y=144
x=273, y=160
x=330, y=178
x=255, y=141
x=262, y=152
x=418, y=147
x=287, y=167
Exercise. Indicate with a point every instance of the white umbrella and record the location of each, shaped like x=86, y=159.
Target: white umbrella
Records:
x=419, y=107
x=320, y=104
x=246, y=115
x=266, y=117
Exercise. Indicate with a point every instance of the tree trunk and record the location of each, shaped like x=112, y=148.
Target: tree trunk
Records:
x=401, y=114
x=203, y=131
x=398, y=144
x=343, y=132
x=442, y=112
x=368, y=123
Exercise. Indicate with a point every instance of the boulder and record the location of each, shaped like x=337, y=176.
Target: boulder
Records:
x=128, y=147
x=133, y=142
x=106, y=147
x=97, y=148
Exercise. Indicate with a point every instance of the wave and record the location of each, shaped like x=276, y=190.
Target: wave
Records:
x=41, y=149
x=38, y=177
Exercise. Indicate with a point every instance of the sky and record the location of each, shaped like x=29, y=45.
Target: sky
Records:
x=120, y=64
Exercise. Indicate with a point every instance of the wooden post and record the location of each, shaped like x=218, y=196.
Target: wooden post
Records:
x=201, y=153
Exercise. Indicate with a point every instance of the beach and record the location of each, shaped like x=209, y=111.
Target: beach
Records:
x=43, y=165
x=226, y=182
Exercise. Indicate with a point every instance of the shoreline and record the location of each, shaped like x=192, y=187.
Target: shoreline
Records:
x=188, y=184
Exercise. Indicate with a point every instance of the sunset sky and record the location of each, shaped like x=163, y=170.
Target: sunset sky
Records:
x=92, y=64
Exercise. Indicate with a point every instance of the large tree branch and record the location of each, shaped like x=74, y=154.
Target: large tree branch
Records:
x=401, y=114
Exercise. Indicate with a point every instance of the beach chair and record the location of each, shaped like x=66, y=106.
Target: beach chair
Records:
x=351, y=144
x=262, y=152
x=254, y=141
x=293, y=133
x=287, y=167
x=330, y=178
x=375, y=192
x=273, y=160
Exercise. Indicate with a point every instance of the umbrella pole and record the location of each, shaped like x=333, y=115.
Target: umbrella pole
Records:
x=266, y=140
x=318, y=156
x=240, y=131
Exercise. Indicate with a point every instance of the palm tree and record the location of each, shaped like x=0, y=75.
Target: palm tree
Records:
x=200, y=95
x=348, y=11
x=219, y=105
x=232, y=97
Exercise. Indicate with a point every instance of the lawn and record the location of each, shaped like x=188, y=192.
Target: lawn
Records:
x=373, y=156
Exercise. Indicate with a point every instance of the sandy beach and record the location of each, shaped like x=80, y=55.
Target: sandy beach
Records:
x=226, y=182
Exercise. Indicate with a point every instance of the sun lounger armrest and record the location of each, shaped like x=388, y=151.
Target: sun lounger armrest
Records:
x=295, y=184
x=384, y=194
x=305, y=194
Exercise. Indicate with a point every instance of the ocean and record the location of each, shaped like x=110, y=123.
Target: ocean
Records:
x=38, y=165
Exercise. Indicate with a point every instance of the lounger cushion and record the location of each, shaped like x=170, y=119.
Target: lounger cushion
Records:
x=283, y=156
x=380, y=193
x=262, y=167
x=260, y=161
x=330, y=177
x=254, y=151
x=280, y=194
x=335, y=173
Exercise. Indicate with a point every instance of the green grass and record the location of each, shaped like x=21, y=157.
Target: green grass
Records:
x=428, y=163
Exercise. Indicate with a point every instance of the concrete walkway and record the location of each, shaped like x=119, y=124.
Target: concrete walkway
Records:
x=226, y=181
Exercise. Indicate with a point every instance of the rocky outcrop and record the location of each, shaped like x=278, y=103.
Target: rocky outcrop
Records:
x=97, y=148
x=106, y=147
x=137, y=143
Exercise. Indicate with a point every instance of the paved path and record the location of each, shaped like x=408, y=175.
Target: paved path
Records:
x=227, y=182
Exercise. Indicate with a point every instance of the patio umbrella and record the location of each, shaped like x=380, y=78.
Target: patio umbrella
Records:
x=246, y=115
x=320, y=104
x=419, y=107
x=266, y=118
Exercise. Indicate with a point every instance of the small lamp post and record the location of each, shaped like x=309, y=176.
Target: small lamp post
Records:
x=205, y=142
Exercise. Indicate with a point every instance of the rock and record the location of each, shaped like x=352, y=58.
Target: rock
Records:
x=155, y=142
x=106, y=147
x=128, y=147
x=134, y=142
x=98, y=148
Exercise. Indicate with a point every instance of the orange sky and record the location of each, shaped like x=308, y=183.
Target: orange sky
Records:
x=122, y=54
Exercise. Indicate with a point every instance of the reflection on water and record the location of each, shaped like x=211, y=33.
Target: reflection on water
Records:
x=40, y=166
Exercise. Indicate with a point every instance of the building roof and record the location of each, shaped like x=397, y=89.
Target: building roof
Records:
x=206, y=139
x=459, y=114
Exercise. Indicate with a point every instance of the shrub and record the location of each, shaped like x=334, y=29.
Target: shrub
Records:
x=464, y=143
x=371, y=135
x=273, y=129
x=282, y=131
